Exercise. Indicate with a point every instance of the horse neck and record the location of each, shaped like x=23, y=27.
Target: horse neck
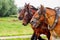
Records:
x=50, y=15
x=33, y=11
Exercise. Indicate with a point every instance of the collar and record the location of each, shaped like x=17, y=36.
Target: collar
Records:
x=55, y=22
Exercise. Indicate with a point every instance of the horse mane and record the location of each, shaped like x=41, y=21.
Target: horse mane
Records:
x=50, y=8
x=34, y=8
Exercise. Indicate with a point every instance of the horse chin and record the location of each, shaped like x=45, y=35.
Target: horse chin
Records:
x=20, y=18
x=24, y=24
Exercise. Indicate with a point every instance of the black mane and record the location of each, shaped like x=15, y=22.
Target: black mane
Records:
x=50, y=8
x=34, y=8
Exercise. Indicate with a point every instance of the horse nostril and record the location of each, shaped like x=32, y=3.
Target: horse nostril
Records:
x=23, y=23
x=31, y=22
x=20, y=18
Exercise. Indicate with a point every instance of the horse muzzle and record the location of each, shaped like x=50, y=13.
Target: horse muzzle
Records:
x=24, y=24
x=20, y=18
x=33, y=24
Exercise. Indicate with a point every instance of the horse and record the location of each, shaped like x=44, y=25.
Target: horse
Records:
x=33, y=9
x=37, y=31
x=40, y=24
x=50, y=17
x=23, y=10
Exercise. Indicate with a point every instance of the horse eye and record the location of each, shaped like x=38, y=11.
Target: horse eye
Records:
x=35, y=20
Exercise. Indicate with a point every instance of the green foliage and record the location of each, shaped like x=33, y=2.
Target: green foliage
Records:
x=7, y=8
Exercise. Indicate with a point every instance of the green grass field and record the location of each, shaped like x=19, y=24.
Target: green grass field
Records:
x=10, y=26
x=19, y=39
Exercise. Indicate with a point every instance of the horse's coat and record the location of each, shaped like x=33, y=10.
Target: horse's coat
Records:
x=49, y=17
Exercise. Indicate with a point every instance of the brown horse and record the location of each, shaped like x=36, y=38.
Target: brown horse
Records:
x=50, y=17
x=37, y=31
x=27, y=17
x=23, y=10
x=43, y=27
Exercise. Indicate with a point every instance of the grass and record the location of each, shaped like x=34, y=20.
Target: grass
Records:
x=19, y=39
x=10, y=26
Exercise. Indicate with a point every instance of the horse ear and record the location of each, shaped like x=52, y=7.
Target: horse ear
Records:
x=42, y=7
x=25, y=3
x=28, y=3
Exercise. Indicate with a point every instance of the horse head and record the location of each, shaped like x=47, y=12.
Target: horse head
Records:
x=46, y=15
x=22, y=12
x=38, y=17
x=28, y=14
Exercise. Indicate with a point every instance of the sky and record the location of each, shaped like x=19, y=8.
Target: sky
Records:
x=36, y=3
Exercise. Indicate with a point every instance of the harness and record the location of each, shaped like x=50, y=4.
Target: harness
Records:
x=57, y=15
x=56, y=19
x=55, y=22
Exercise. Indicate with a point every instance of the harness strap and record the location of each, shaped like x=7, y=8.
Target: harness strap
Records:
x=55, y=22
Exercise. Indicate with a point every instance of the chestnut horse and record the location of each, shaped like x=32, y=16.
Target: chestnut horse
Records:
x=43, y=27
x=37, y=31
x=50, y=17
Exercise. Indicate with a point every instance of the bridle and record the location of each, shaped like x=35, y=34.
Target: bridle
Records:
x=39, y=13
x=29, y=14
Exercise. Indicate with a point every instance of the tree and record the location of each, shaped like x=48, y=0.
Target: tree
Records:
x=7, y=8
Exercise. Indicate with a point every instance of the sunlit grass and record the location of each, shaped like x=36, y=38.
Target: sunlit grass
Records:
x=19, y=39
x=10, y=26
